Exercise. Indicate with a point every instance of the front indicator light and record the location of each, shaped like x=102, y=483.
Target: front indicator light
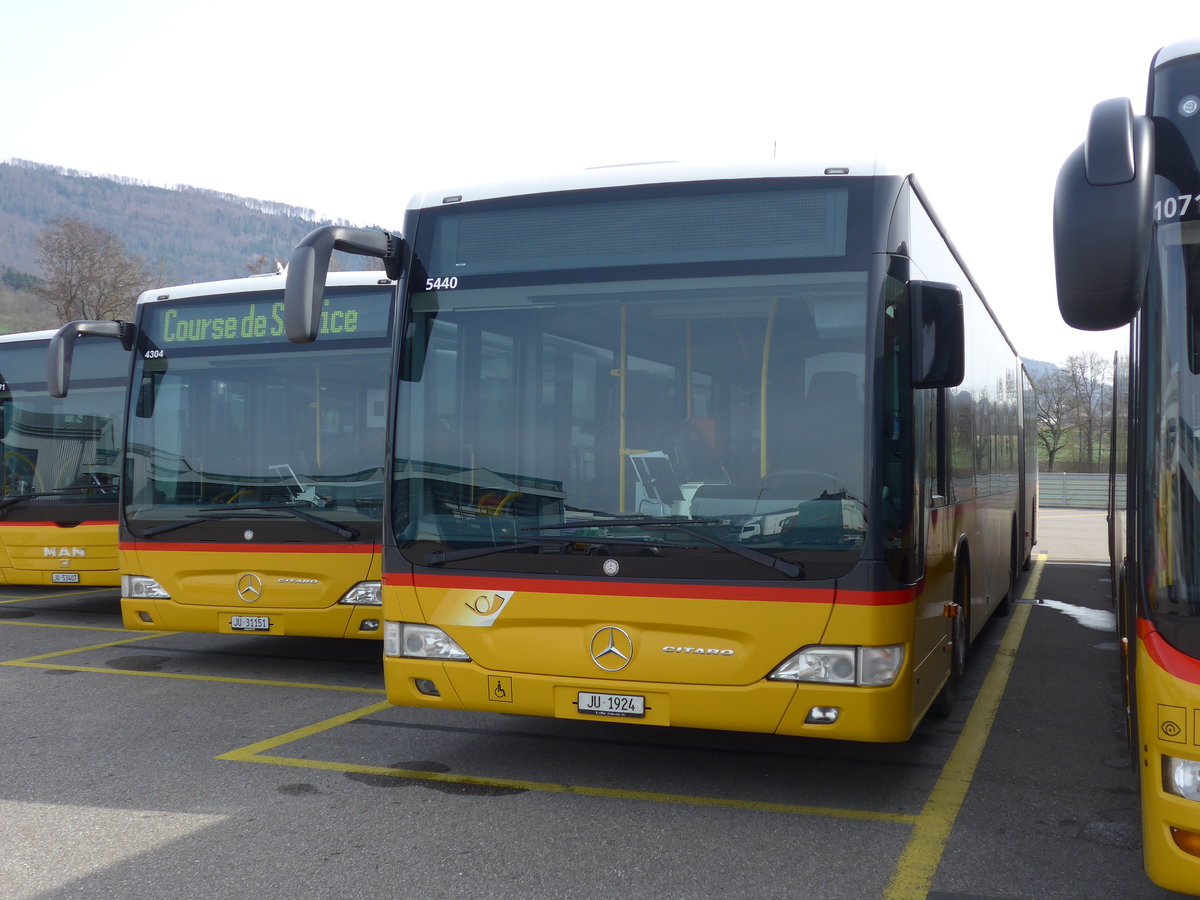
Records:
x=863, y=666
x=1181, y=777
x=365, y=593
x=879, y=666
x=139, y=587
x=369, y=625
x=419, y=642
x=1187, y=841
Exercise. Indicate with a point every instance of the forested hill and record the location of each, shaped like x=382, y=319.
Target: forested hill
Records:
x=199, y=235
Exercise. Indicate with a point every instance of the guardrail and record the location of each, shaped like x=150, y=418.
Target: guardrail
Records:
x=1076, y=489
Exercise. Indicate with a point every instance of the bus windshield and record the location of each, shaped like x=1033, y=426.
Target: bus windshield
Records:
x=61, y=450
x=676, y=375
x=1174, y=447
x=230, y=429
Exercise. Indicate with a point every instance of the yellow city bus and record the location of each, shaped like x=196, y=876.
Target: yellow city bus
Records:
x=58, y=507
x=1126, y=235
x=252, y=493
x=734, y=448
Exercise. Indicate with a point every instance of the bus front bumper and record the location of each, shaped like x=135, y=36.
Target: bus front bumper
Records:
x=770, y=707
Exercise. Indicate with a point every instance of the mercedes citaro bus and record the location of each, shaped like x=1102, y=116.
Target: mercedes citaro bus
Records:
x=252, y=486
x=736, y=448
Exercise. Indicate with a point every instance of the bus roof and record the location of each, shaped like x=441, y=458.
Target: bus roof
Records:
x=643, y=173
x=255, y=283
x=28, y=336
x=1172, y=52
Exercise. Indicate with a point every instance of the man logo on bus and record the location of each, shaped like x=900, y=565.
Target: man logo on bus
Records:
x=611, y=648
x=249, y=587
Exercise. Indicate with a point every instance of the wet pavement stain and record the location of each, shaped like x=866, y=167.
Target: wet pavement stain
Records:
x=299, y=790
x=138, y=663
x=456, y=788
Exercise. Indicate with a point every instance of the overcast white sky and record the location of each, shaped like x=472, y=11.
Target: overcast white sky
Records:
x=350, y=109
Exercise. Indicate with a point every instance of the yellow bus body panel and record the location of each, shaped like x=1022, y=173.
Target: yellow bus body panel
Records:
x=297, y=590
x=33, y=553
x=699, y=659
x=1168, y=725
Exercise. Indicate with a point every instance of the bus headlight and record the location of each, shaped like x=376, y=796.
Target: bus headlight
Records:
x=865, y=666
x=365, y=593
x=1181, y=777
x=419, y=642
x=140, y=587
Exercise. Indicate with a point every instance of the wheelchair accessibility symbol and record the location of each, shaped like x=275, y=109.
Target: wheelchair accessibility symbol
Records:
x=500, y=688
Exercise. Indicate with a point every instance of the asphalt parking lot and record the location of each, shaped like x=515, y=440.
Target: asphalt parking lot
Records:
x=159, y=764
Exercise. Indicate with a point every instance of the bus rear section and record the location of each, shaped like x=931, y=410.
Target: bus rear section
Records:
x=253, y=467
x=58, y=510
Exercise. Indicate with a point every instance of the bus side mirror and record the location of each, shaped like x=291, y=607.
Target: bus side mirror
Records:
x=304, y=289
x=62, y=349
x=938, y=335
x=1103, y=220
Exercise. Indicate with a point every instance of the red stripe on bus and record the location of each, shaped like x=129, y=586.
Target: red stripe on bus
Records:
x=159, y=547
x=680, y=590
x=1166, y=657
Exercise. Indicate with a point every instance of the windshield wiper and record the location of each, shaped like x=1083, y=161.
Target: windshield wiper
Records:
x=440, y=557
x=342, y=531
x=790, y=569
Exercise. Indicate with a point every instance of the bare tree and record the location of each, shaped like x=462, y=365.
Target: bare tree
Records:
x=264, y=265
x=1055, y=412
x=1089, y=377
x=87, y=273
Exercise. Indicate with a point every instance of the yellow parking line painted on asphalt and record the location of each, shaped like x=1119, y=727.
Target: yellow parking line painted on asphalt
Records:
x=919, y=861
x=180, y=676
x=244, y=753
x=37, y=662
x=129, y=640
x=56, y=596
x=256, y=753
x=914, y=871
x=19, y=624
x=586, y=791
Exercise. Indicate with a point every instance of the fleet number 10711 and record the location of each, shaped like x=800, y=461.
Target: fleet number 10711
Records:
x=1174, y=207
